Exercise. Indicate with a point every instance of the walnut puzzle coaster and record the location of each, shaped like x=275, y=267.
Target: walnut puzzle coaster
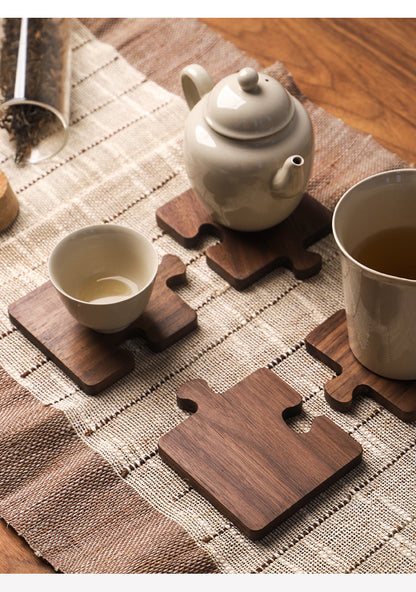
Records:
x=237, y=450
x=329, y=344
x=243, y=257
x=91, y=359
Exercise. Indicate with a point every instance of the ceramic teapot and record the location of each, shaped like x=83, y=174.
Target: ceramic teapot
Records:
x=248, y=147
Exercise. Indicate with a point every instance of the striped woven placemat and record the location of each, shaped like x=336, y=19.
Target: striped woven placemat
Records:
x=81, y=478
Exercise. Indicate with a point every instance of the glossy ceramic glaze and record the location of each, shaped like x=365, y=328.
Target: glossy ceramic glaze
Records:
x=104, y=251
x=248, y=147
x=381, y=309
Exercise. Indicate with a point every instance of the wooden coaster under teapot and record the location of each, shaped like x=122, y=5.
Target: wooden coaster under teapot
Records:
x=244, y=257
x=248, y=152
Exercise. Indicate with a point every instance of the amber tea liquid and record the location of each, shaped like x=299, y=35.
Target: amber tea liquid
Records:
x=391, y=251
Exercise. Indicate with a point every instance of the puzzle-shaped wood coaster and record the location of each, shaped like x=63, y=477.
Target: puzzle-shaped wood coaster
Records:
x=329, y=344
x=91, y=359
x=243, y=257
x=237, y=450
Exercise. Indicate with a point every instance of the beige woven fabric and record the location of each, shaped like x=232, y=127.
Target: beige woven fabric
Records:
x=123, y=161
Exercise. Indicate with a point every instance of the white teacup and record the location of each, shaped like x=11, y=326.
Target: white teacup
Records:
x=105, y=275
x=380, y=308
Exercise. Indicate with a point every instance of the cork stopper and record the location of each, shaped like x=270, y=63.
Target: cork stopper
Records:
x=9, y=206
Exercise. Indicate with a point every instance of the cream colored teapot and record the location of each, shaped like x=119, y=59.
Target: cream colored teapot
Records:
x=248, y=147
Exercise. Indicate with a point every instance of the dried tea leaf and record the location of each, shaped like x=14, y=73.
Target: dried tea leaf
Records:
x=27, y=124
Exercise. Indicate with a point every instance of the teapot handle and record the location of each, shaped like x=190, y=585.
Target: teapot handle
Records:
x=196, y=82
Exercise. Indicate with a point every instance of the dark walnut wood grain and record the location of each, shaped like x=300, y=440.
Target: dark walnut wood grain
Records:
x=241, y=258
x=237, y=450
x=362, y=70
x=91, y=359
x=329, y=344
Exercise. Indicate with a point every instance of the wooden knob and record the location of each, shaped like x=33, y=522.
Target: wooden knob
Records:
x=9, y=206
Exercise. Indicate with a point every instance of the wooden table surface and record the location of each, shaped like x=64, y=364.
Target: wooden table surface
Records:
x=360, y=70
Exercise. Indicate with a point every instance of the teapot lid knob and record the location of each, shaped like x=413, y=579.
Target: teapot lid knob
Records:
x=248, y=105
x=248, y=79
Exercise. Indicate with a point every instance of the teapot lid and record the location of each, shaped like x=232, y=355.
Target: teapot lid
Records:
x=248, y=105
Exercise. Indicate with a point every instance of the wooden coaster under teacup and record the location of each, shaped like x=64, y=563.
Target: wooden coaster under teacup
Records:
x=93, y=360
x=244, y=257
x=329, y=344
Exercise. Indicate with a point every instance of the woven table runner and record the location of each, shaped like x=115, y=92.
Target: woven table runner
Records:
x=80, y=476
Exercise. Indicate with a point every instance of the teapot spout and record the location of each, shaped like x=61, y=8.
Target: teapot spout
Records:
x=289, y=180
x=196, y=82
